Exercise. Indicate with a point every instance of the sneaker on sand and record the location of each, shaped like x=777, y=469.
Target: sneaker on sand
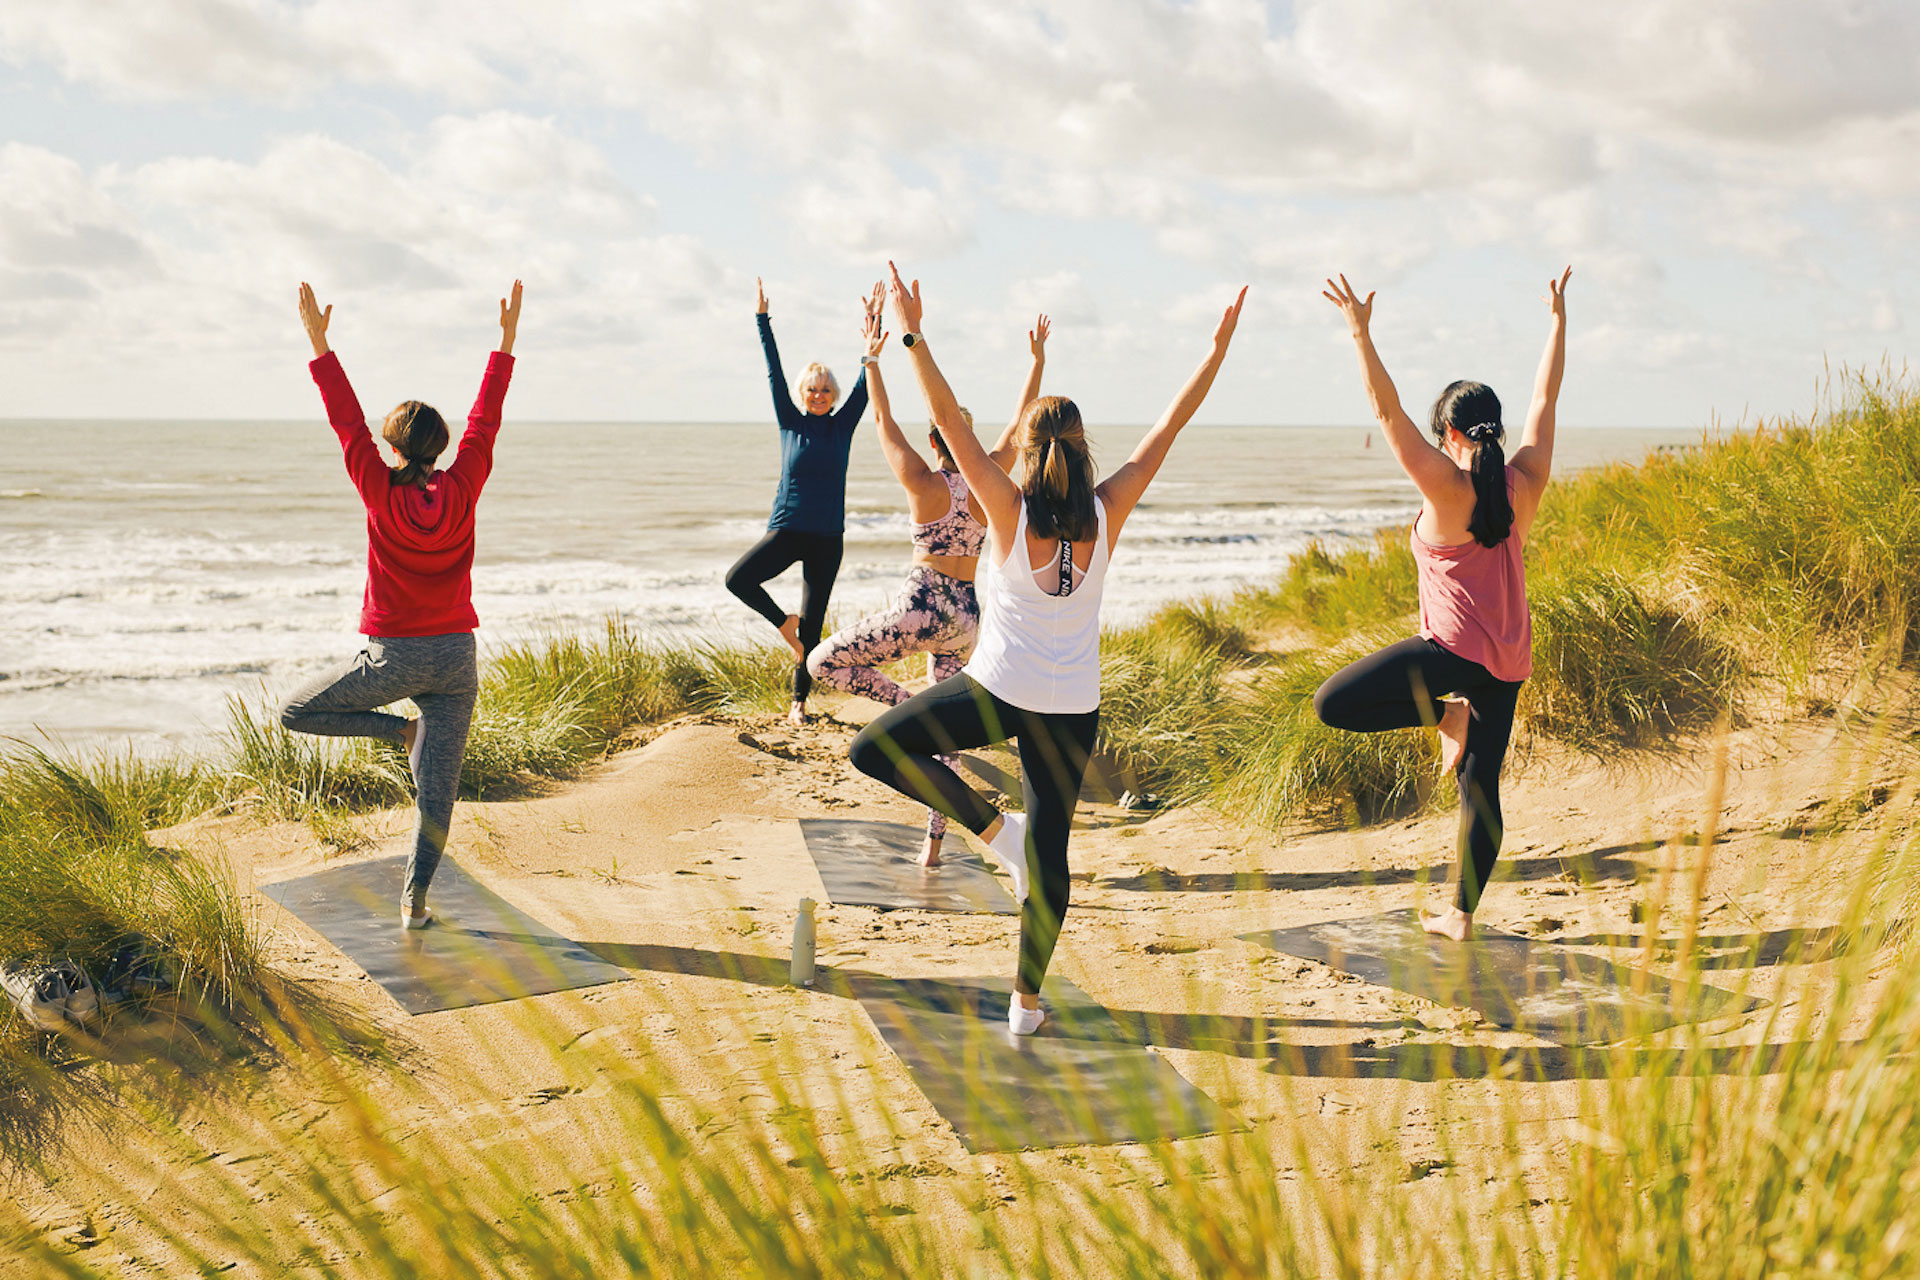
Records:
x=52, y=995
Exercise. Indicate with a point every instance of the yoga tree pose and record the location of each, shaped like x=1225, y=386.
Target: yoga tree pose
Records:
x=1035, y=670
x=1464, y=670
x=418, y=612
x=936, y=612
x=809, y=517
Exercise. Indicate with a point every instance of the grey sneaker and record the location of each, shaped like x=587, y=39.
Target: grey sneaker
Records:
x=51, y=995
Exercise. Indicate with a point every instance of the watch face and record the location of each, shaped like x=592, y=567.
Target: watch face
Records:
x=908, y=338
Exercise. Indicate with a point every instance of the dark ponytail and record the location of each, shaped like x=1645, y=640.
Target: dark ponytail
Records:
x=418, y=434
x=1473, y=410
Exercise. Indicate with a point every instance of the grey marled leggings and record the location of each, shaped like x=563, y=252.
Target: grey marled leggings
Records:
x=442, y=675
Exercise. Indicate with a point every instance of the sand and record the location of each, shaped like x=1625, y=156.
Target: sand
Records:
x=682, y=859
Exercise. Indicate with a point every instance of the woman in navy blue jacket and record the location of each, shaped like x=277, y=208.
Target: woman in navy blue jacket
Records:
x=810, y=507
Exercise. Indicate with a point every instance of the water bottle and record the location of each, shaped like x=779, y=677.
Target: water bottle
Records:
x=801, y=970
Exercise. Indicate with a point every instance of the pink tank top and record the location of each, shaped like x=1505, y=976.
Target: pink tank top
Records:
x=956, y=533
x=1473, y=601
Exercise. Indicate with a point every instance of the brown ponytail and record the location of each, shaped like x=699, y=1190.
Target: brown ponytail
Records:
x=1058, y=470
x=418, y=434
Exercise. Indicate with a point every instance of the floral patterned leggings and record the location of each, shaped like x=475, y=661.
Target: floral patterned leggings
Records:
x=933, y=614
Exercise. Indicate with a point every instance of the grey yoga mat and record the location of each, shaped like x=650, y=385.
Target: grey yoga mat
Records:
x=1079, y=1082
x=1512, y=981
x=872, y=864
x=480, y=948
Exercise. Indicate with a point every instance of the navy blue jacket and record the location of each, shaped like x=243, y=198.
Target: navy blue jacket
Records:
x=812, y=497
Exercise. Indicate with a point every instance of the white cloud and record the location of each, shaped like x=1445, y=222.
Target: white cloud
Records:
x=862, y=212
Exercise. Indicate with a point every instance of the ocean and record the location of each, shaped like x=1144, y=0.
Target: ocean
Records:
x=151, y=570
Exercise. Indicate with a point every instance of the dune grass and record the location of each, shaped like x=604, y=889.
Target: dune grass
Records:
x=79, y=880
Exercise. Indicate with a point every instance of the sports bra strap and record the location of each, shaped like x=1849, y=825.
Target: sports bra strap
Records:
x=1066, y=569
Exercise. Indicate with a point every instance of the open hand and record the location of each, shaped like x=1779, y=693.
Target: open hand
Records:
x=314, y=319
x=873, y=328
x=509, y=319
x=1037, y=336
x=906, y=301
x=759, y=289
x=1556, y=299
x=1230, y=320
x=1358, y=313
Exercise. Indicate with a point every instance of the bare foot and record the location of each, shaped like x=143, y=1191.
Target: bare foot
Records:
x=1453, y=733
x=797, y=714
x=930, y=852
x=1450, y=923
x=790, y=632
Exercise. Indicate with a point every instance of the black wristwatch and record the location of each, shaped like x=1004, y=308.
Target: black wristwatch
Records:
x=911, y=339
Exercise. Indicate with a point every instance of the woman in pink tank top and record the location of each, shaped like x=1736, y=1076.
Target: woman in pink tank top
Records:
x=1463, y=672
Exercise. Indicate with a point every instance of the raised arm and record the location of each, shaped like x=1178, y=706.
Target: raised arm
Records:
x=1004, y=451
x=1432, y=471
x=909, y=468
x=999, y=496
x=785, y=412
x=1533, y=460
x=365, y=467
x=474, y=462
x=1121, y=491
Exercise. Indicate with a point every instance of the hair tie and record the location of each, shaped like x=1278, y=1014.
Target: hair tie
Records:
x=1482, y=432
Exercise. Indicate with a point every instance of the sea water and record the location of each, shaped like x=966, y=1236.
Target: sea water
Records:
x=151, y=570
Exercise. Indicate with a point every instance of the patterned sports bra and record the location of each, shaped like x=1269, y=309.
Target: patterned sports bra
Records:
x=956, y=533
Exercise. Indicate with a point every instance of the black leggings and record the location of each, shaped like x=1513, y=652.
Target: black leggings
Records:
x=773, y=555
x=902, y=746
x=1397, y=688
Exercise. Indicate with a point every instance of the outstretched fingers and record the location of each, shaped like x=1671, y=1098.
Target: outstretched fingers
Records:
x=1230, y=318
x=510, y=307
x=906, y=299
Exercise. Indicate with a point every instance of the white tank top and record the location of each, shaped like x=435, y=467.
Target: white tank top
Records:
x=1040, y=652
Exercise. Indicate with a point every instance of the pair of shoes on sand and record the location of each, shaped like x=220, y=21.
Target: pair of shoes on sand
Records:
x=51, y=995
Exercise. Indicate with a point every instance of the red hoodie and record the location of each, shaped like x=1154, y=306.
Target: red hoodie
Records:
x=419, y=538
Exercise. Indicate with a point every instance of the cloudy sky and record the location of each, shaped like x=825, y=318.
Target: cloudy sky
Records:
x=1734, y=182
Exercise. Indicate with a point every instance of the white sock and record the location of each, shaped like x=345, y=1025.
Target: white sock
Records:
x=1009, y=849
x=1022, y=1020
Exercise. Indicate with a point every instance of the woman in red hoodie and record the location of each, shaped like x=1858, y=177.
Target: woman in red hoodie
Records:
x=418, y=613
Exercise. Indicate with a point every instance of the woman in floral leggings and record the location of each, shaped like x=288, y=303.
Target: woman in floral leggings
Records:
x=936, y=612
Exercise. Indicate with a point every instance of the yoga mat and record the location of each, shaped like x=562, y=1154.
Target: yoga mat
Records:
x=1511, y=981
x=1078, y=1082
x=480, y=948
x=871, y=864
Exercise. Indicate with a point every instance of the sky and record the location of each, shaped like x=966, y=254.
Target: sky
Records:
x=1733, y=181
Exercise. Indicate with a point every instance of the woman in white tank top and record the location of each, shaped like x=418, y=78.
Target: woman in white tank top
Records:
x=1035, y=671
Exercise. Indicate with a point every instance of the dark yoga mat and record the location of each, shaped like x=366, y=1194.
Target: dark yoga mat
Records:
x=1080, y=1081
x=1512, y=981
x=871, y=864
x=480, y=948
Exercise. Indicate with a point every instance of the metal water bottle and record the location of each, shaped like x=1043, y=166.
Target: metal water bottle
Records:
x=801, y=970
